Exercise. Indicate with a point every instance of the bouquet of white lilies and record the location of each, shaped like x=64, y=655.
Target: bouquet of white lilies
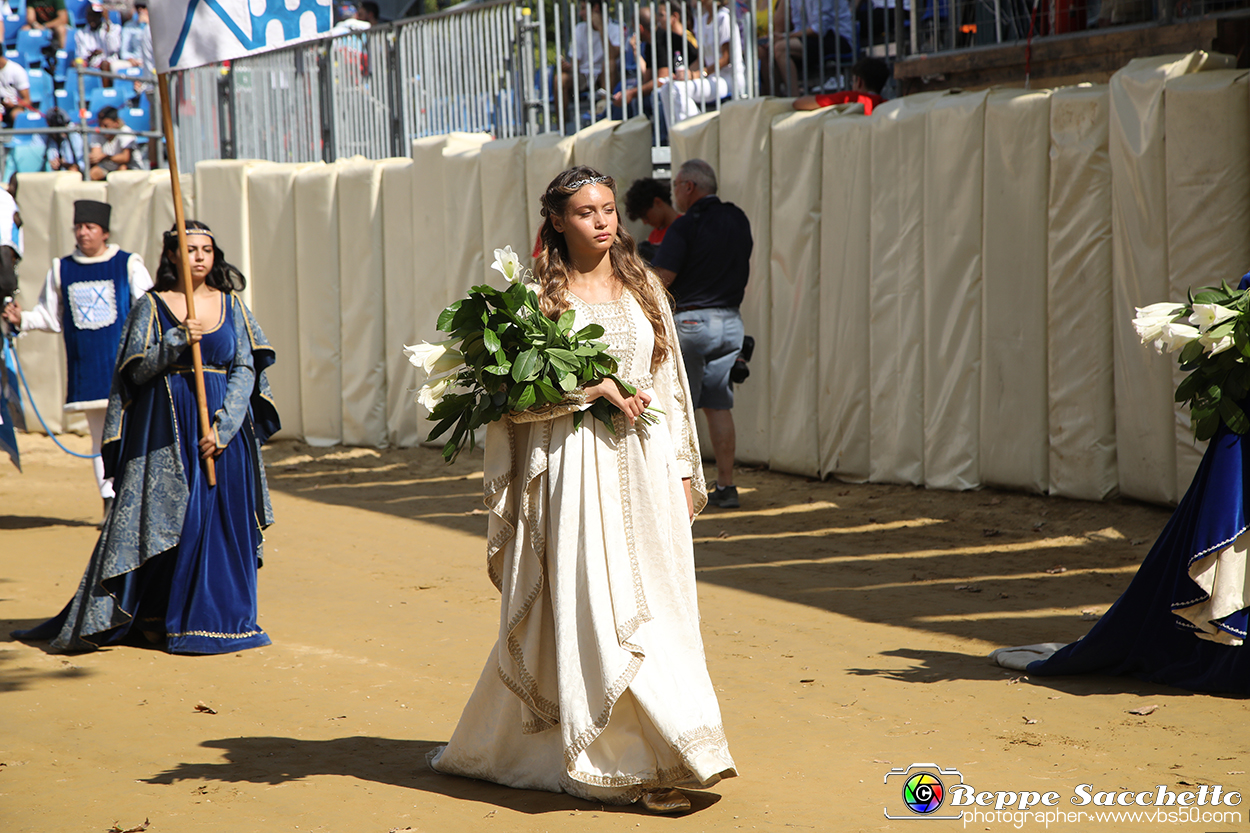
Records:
x=1212, y=333
x=504, y=356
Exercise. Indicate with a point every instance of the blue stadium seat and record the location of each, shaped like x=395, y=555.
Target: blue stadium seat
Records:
x=30, y=44
x=12, y=25
x=41, y=87
x=137, y=119
x=62, y=65
x=77, y=10
x=67, y=100
x=105, y=97
x=29, y=118
x=90, y=83
x=128, y=88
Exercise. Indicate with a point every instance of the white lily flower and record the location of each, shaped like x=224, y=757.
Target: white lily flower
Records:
x=433, y=391
x=1175, y=336
x=1214, y=348
x=507, y=263
x=434, y=359
x=1207, y=316
x=1151, y=320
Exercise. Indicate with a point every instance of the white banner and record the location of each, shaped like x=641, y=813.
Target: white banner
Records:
x=191, y=33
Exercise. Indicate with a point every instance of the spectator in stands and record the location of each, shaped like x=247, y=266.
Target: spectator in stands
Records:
x=868, y=78
x=48, y=14
x=114, y=151
x=594, y=69
x=651, y=201
x=721, y=72
x=370, y=13
x=61, y=151
x=814, y=25
x=705, y=262
x=14, y=89
x=99, y=43
x=669, y=37
x=137, y=44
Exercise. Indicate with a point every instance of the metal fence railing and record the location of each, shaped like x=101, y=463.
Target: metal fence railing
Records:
x=522, y=67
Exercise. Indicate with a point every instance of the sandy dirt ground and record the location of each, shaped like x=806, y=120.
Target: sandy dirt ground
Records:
x=846, y=628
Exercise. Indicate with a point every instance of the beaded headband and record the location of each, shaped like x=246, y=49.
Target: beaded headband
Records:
x=169, y=235
x=581, y=183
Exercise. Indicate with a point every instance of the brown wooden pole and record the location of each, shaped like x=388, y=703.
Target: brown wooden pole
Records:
x=167, y=122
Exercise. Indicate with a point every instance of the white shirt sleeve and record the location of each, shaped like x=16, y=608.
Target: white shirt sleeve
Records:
x=140, y=280
x=47, y=313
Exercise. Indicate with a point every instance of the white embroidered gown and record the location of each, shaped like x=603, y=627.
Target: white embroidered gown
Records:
x=597, y=685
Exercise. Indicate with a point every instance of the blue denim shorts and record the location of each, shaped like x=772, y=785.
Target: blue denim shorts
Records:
x=710, y=341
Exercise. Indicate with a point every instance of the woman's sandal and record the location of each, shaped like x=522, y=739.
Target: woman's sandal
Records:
x=665, y=802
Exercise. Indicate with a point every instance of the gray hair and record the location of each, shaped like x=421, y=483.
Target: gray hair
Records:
x=700, y=174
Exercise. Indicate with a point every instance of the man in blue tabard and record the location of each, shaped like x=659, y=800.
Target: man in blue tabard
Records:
x=86, y=298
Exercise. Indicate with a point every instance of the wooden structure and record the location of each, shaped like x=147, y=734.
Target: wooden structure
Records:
x=1059, y=60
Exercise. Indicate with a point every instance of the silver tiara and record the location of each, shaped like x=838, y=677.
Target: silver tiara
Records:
x=581, y=183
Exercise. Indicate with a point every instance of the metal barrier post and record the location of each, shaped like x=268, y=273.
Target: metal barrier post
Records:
x=394, y=100
x=526, y=26
x=325, y=92
x=225, y=114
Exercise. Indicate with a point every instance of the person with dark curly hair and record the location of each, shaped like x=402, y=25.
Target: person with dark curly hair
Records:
x=176, y=561
x=651, y=201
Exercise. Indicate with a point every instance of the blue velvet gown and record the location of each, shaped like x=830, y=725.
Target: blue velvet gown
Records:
x=181, y=568
x=1143, y=635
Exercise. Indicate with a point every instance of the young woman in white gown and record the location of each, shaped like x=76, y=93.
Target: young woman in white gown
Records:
x=597, y=685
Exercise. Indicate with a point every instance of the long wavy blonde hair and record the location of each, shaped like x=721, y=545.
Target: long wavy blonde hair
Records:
x=553, y=266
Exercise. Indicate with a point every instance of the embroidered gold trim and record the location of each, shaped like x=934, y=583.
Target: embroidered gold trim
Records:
x=215, y=635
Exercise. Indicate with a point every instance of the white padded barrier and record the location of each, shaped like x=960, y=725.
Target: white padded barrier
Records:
x=439, y=216
x=400, y=265
x=545, y=157
x=275, y=283
x=363, y=302
x=467, y=264
x=320, y=322
x=794, y=282
x=42, y=355
x=222, y=203
x=1207, y=122
x=1081, y=417
x=505, y=221
x=130, y=194
x=896, y=291
x=1014, y=435
x=696, y=138
x=843, y=414
x=743, y=178
x=1144, y=416
x=953, y=201
x=161, y=211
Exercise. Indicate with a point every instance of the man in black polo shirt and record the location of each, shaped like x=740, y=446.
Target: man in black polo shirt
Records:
x=705, y=260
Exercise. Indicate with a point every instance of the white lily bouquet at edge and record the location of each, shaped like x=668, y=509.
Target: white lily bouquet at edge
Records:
x=504, y=356
x=1212, y=333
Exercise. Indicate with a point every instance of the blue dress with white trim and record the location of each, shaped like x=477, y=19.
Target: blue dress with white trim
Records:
x=1183, y=619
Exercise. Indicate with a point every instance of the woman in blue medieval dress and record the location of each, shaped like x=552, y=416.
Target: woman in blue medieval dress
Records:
x=1183, y=619
x=177, y=558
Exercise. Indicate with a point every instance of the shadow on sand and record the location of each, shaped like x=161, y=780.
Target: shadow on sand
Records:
x=400, y=763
